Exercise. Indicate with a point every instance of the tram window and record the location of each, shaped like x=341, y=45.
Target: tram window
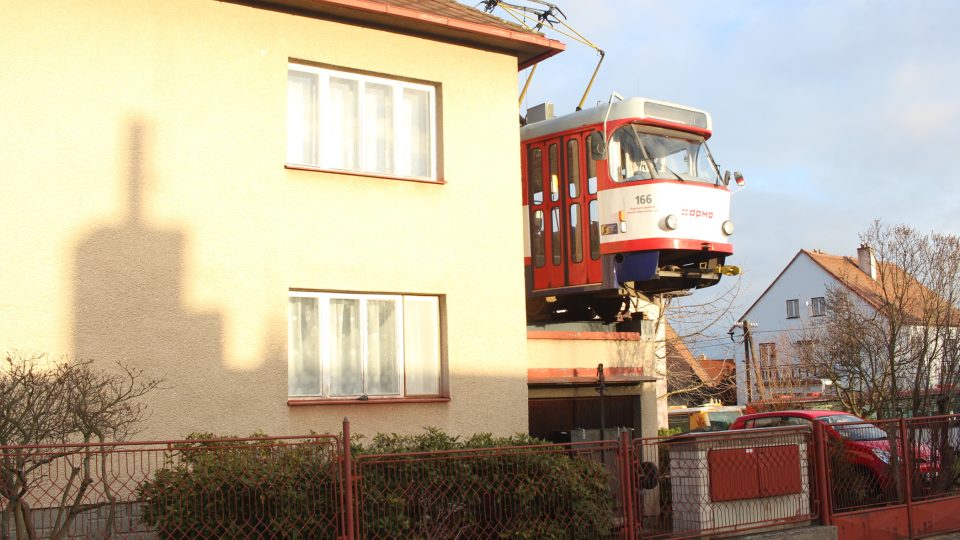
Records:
x=573, y=169
x=538, y=248
x=556, y=246
x=706, y=170
x=535, y=175
x=591, y=171
x=594, y=230
x=554, y=173
x=576, y=237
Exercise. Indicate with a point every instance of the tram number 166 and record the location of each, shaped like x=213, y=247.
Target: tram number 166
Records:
x=644, y=199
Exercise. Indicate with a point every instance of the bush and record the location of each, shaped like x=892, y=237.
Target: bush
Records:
x=507, y=493
x=243, y=489
x=261, y=490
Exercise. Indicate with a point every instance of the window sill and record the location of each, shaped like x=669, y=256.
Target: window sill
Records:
x=296, y=167
x=573, y=335
x=299, y=402
x=793, y=317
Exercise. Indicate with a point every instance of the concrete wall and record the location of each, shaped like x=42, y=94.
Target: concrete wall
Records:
x=148, y=216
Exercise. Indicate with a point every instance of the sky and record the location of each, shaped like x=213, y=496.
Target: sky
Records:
x=837, y=112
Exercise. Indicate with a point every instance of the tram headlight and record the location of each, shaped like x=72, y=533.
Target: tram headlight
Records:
x=670, y=222
x=727, y=227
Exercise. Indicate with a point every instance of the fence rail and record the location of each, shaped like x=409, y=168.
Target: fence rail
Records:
x=222, y=488
x=315, y=487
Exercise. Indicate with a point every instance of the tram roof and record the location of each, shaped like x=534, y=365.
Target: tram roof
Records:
x=637, y=107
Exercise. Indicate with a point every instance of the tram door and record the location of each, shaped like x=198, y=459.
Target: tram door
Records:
x=563, y=212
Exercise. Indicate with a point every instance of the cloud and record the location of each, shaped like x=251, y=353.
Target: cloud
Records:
x=837, y=112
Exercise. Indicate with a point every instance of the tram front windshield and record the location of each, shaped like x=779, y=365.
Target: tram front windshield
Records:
x=641, y=155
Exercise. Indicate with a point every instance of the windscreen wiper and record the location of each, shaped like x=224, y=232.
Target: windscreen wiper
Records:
x=669, y=170
x=646, y=155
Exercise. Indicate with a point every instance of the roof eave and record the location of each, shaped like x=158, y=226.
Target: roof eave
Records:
x=529, y=48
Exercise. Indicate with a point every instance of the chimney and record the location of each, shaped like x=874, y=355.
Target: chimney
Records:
x=866, y=261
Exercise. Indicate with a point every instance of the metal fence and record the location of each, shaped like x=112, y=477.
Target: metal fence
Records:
x=312, y=487
x=892, y=463
x=277, y=487
x=541, y=491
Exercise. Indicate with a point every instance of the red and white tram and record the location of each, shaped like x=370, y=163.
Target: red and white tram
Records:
x=621, y=198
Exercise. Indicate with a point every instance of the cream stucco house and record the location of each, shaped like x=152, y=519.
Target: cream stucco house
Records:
x=292, y=210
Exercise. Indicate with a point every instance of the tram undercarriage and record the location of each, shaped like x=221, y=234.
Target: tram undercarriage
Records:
x=612, y=304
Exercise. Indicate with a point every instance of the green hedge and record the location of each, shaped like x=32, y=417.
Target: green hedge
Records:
x=288, y=492
x=252, y=489
x=512, y=493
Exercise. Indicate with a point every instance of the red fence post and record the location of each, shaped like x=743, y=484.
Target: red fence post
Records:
x=905, y=472
x=347, y=482
x=626, y=485
x=823, y=476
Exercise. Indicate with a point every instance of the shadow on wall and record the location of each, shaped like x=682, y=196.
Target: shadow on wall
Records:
x=128, y=284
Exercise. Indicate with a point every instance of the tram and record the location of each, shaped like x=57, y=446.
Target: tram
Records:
x=620, y=199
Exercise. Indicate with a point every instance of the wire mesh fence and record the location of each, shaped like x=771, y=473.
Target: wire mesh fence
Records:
x=723, y=482
x=309, y=487
x=864, y=460
x=540, y=491
x=234, y=488
x=934, y=446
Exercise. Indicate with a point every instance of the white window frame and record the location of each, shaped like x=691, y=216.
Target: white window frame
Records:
x=326, y=343
x=793, y=308
x=324, y=133
x=818, y=306
x=768, y=352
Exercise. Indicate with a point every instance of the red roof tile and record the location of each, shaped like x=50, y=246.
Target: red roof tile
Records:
x=915, y=295
x=439, y=19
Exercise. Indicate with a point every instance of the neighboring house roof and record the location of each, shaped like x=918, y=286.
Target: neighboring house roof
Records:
x=707, y=371
x=445, y=20
x=846, y=271
x=717, y=369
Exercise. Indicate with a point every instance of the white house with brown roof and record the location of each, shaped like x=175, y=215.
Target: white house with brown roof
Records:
x=795, y=301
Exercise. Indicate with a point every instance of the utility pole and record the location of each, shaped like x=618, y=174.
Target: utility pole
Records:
x=602, y=390
x=747, y=353
x=748, y=357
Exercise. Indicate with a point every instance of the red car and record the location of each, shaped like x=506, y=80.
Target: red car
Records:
x=865, y=447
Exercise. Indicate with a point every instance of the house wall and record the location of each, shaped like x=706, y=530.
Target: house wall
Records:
x=584, y=350
x=149, y=217
x=803, y=279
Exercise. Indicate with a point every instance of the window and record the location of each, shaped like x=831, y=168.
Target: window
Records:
x=805, y=348
x=538, y=244
x=353, y=345
x=576, y=237
x=767, y=422
x=554, y=158
x=818, y=306
x=591, y=168
x=346, y=121
x=556, y=247
x=768, y=352
x=573, y=169
x=594, y=209
x=642, y=153
x=793, y=308
x=535, y=175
